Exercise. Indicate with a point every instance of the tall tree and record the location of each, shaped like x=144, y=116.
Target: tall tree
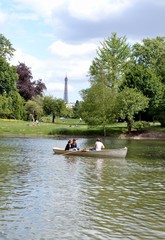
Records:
x=11, y=105
x=151, y=54
x=6, y=49
x=112, y=59
x=147, y=73
x=39, y=87
x=76, y=113
x=17, y=105
x=26, y=87
x=8, y=77
x=160, y=114
x=5, y=110
x=11, y=101
x=97, y=107
x=145, y=80
x=106, y=71
x=24, y=84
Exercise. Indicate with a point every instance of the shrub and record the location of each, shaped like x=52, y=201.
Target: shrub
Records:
x=139, y=125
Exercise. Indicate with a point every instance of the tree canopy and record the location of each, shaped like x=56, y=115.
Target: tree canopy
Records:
x=126, y=80
x=6, y=48
x=34, y=109
x=97, y=107
x=112, y=60
x=16, y=85
x=151, y=53
x=26, y=87
x=143, y=79
x=54, y=106
x=130, y=102
x=8, y=77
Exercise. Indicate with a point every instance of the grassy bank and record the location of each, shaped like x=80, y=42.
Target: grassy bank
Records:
x=62, y=127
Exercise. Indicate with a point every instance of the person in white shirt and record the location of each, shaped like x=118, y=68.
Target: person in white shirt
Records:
x=98, y=145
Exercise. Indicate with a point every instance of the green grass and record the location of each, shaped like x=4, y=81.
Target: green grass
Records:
x=23, y=127
x=62, y=127
x=67, y=127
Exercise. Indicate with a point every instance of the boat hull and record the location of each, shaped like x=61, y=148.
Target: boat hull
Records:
x=106, y=153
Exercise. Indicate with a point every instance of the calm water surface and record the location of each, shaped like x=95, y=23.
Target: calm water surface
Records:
x=45, y=196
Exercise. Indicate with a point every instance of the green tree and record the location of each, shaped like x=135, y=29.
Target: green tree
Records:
x=147, y=73
x=106, y=72
x=34, y=109
x=67, y=112
x=130, y=102
x=54, y=106
x=160, y=115
x=11, y=105
x=5, y=110
x=6, y=49
x=38, y=99
x=112, y=59
x=76, y=112
x=97, y=107
x=145, y=80
x=17, y=105
x=8, y=77
x=151, y=54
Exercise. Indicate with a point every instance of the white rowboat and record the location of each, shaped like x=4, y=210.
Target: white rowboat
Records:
x=108, y=153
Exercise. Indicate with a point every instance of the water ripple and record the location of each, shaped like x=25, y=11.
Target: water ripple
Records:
x=47, y=197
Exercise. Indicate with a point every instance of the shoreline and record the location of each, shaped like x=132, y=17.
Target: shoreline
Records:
x=137, y=136
x=146, y=135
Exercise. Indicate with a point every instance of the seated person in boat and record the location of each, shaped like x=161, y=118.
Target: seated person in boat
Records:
x=68, y=145
x=74, y=145
x=98, y=145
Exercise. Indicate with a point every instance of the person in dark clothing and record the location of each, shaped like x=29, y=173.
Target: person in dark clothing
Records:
x=74, y=145
x=68, y=145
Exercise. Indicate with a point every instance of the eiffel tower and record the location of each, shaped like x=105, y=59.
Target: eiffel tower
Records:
x=66, y=90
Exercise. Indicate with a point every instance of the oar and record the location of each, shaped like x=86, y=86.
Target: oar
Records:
x=69, y=152
x=82, y=150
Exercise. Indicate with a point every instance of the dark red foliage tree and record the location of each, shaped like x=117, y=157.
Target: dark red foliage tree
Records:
x=39, y=87
x=26, y=87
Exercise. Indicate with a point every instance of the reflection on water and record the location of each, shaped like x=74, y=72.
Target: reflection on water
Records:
x=46, y=196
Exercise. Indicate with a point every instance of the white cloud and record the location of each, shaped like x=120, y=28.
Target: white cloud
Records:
x=96, y=10
x=66, y=50
x=42, y=8
x=92, y=10
x=25, y=16
x=3, y=17
x=29, y=60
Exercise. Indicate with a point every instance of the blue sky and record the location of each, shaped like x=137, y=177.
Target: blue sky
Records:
x=56, y=38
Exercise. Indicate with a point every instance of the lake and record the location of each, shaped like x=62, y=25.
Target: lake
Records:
x=44, y=196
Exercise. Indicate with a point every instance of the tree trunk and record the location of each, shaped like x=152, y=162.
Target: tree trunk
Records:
x=53, y=118
x=129, y=125
x=105, y=133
